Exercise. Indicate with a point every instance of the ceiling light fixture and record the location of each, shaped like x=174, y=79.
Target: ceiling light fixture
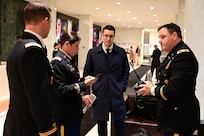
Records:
x=151, y=8
x=128, y=12
x=118, y=3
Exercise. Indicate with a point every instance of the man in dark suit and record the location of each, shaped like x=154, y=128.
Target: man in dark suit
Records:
x=29, y=74
x=155, y=60
x=179, y=112
x=111, y=61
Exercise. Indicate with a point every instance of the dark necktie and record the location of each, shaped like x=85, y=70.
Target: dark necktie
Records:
x=107, y=51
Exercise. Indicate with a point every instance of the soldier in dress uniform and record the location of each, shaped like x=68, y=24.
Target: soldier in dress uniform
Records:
x=68, y=86
x=179, y=112
x=29, y=74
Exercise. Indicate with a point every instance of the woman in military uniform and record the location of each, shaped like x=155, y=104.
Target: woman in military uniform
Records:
x=68, y=86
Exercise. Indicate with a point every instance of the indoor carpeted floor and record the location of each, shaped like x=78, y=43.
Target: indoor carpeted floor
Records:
x=88, y=123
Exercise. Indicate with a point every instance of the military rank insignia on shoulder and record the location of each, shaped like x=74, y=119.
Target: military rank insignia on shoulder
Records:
x=32, y=44
x=183, y=50
x=57, y=58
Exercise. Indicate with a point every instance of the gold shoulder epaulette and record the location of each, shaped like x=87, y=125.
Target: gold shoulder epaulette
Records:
x=30, y=44
x=183, y=50
x=57, y=58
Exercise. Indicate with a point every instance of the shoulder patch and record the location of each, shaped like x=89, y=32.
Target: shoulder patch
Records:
x=30, y=44
x=183, y=50
x=57, y=58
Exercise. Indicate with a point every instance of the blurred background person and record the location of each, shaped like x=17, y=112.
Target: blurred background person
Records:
x=131, y=56
x=57, y=46
x=137, y=55
x=155, y=60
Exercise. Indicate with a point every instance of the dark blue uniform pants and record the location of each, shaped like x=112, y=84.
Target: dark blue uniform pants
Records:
x=69, y=130
x=118, y=124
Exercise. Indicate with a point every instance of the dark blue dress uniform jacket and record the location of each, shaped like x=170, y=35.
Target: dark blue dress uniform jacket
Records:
x=112, y=82
x=179, y=111
x=29, y=75
x=68, y=103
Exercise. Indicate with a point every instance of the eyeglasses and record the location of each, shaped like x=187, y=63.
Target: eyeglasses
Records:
x=109, y=36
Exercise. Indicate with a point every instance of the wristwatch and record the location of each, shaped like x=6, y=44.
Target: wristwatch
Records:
x=77, y=87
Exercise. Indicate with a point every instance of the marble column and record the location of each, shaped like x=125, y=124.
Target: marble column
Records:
x=194, y=15
x=180, y=17
x=86, y=34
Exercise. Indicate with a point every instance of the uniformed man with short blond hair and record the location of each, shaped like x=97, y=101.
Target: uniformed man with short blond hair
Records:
x=29, y=74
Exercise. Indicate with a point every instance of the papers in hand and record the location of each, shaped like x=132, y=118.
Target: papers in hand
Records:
x=93, y=98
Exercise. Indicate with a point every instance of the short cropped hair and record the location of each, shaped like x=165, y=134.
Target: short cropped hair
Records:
x=171, y=27
x=34, y=12
x=109, y=27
